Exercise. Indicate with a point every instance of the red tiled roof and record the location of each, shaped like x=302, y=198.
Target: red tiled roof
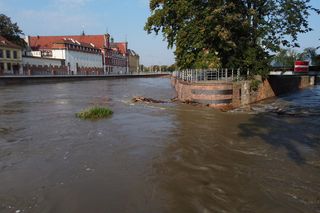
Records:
x=43, y=42
x=5, y=43
x=122, y=46
x=75, y=42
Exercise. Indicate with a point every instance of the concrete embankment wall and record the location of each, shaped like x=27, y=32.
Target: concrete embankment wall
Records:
x=271, y=87
x=213, y=94
x=17, y=80
x=239, y=93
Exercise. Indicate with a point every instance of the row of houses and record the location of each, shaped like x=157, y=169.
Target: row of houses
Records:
x=69, y=54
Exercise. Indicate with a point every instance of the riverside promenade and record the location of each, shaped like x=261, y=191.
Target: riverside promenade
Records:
x=34, y=79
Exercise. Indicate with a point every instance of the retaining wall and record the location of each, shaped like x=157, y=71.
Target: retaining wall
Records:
x=20, y=80
x=226, y=95
x=212, y=94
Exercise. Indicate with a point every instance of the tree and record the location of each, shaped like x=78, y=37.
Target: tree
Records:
x=310, y=54
x=172, y=68
x=10, y=31
x=239, y=33
x=286, y=58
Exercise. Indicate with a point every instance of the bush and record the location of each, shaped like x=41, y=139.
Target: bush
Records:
x=94, y=113
x=254, y=85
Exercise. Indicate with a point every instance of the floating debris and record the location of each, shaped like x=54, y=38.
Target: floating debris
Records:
x=192, y=103
x=147, y=100
x=5, y=130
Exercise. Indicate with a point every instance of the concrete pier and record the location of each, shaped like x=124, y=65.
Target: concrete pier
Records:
x=235, y=94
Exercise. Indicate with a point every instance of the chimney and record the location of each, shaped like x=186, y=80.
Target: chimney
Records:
x=27, y=40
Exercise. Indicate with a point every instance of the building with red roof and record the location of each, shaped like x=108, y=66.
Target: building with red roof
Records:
x=115, y=56
x=77, y=55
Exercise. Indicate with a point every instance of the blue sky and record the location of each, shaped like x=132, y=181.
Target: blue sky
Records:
x=123, y=19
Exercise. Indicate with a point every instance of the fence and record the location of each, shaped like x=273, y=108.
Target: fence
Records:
x=44, y=70
x=227, y=75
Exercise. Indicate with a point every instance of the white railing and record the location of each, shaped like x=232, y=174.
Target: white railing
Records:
x=195, y=75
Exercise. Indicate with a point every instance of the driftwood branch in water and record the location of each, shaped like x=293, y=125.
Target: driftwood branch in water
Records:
x=147, y=100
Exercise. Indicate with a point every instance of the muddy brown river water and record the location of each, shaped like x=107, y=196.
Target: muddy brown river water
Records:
x=155, y=158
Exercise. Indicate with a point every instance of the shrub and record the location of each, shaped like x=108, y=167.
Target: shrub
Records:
x=254, y=85
x=94, y=113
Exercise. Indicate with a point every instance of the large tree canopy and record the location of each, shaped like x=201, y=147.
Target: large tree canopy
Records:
x=10, y=31
x=235, y=32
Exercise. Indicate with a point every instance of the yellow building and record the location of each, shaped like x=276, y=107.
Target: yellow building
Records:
x=10, y=57
x=134, y=61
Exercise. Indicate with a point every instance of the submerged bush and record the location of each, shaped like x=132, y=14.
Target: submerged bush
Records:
x=94, y=113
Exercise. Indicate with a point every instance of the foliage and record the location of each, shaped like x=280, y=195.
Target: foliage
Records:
x=10, y=30
x=164, y=68
x=286, y=58
x=310, y=54
x=172, y=68
x=254, y=85
x=207, y=60
x=240, y=33
x=94, y=113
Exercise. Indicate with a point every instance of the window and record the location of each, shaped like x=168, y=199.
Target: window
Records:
x=1, y=53
x=1, y=66
x=8, y=54
x=15, y=54
x=9, y=66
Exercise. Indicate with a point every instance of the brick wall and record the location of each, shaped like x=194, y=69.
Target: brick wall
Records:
x=90, y=71
x=214, y=94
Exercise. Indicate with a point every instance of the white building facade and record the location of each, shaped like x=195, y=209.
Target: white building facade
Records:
x=70, y=52
x=76, y=59
x=39, y=61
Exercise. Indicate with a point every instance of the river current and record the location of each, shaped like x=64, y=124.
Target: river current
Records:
x=150, y=158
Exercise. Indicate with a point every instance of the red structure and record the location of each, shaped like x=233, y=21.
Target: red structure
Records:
x=301, y=66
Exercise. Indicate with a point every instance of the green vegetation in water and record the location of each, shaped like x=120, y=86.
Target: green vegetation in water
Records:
x=94, y=113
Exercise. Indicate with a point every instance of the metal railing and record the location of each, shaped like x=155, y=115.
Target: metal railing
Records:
x=226, y=75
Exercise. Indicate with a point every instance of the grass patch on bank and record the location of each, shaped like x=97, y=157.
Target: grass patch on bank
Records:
x=94, y=113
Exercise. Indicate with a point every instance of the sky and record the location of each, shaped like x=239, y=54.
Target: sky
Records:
x=123, y=19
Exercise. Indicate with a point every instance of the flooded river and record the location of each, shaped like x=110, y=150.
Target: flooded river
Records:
x=155, y=158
